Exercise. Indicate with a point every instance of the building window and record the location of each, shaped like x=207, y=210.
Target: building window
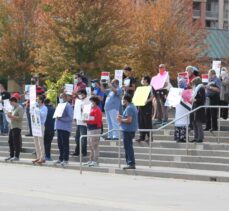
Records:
x=225, y=25
x=212, y=24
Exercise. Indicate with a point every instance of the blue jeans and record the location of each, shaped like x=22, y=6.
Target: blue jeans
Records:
x=63, y=144
x=4, y=123
x=81, y=130
x=128, y=146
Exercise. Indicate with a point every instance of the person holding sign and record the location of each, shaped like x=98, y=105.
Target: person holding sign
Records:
x=78, y=85
x=16, y=117
x=63, y=126
x=81, y=128
x=161, y=95
x=145, y=112
x=39, y=140
x=129, y=82
x=94, y=124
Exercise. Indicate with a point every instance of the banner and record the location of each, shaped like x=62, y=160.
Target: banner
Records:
x=69, y=89
x=216, y=65
x=78, y=108
x=174, y=97
x=158, y=81
x=32, y=95
x=141, y=95
x=7, y=108
x=119, y=76
x=36, y=122
x=59, y=110
x=105, y=76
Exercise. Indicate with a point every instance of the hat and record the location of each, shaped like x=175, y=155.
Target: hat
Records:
x=128, y=68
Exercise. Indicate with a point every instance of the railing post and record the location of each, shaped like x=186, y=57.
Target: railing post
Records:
x=219, y=113
x=80, y=155
x=150, y=148
x=187, y=134
x=119, y=150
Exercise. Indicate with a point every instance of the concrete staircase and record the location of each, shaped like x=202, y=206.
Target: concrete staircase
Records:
x=208, y=161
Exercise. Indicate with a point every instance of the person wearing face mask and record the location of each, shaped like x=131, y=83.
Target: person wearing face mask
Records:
x=94, y=125
x=129, y=124
x=39, y=141
x=78, y=85
x=198, y=117
x=98, y=92
x=63, y=125
x=145, y=112
x=161, y=95
x=213, y=94
x=224, y=92
x=16, y=117
x=111, y=108
x=81, y=128
x=129, y=81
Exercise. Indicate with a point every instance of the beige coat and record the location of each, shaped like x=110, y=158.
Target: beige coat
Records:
x=224, y=87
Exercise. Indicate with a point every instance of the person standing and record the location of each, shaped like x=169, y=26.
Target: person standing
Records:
x=81, y=128
x=161, y=95
x=4, y=95
x=129, y=82
x=94, y=125
x=198, y=117
x=78, y=85
x=129, y=124
x=63, y=126
x=112, y=106
x=145, y=112
x=16, y=118
x=49, y=130
x=98, y=92
x=39, y=141
x=213, y=95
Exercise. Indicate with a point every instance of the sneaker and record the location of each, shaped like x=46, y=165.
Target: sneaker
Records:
x=64, y=163
x=48, y=159
x=158, y=122
x=9, y=158
x=74, y=154
x=14, y=159
x=164, y=122
x=129, y=167
x=87, y=163
x=93, y=164
x=28, y=134
x=57, y=162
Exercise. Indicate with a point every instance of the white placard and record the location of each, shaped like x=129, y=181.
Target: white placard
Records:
x=27, y=91
x=59, y=110
x=78, y=110
x=86, y=112
x=127, y=82
x=69, y=89
x=216, y=65
x=174, y=97
x=119, y=76
x=88, y=90
x=7, y=106
x=36, y=122
x=32, y=95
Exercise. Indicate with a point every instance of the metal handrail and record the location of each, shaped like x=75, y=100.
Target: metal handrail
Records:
x=153, y=130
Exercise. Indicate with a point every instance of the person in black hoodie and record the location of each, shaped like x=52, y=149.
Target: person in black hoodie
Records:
x=198, y=116
x=49, y=130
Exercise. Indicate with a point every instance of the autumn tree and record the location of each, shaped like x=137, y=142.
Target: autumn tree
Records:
x=164, y=32
x=17, y=41
x=89, y=35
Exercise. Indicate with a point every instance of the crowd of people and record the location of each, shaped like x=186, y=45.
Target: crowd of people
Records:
x=115, y=101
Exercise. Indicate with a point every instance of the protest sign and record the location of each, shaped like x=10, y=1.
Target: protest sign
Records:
x=119, y=76
x=86, y=112
x=216, y=65
x=174, y=97
x=88, y=90
x=105, y=76
x=32, y=95
x=69, y=89
x=27, y=91
x=204, y=78
x=59, y=110
x=36, y=122
x=141, y=95
x=158, y=81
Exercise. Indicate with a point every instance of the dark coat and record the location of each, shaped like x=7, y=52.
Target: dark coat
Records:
x=199, y=115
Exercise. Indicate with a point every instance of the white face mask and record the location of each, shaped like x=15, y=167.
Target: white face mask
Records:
x=76, y=81
x=80, y=97
x=61, y=100
x=123, y=102
x=142, y=82
x=93, y=85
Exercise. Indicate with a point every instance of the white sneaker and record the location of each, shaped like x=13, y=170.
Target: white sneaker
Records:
x=87, y=163
x=14, y=159
x=64, y=163
x=93, y=164
x=8, y=158
x=57, y=162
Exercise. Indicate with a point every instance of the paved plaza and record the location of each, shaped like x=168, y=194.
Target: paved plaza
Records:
x=40, y=188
